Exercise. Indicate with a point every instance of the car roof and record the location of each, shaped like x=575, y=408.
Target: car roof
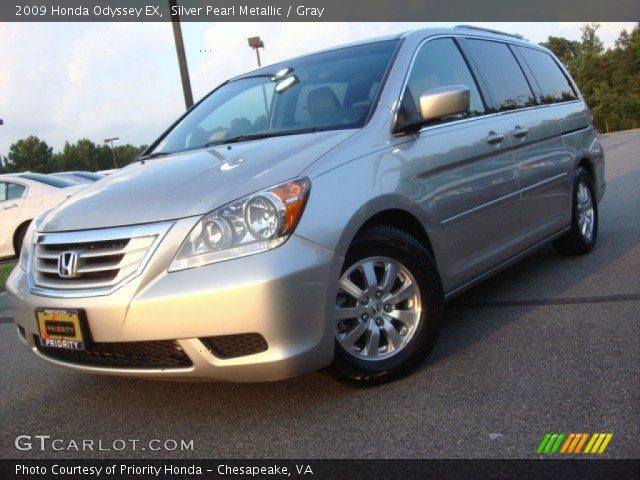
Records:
x=10, y=176
x=34, y=178
x=479, y=32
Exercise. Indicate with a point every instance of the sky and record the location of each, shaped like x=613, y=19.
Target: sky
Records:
x=66, y=81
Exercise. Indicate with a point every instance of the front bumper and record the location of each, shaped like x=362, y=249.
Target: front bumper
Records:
x=284, y=295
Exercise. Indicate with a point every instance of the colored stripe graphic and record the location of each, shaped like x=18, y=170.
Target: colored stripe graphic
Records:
x=543, y=443
x=591, y=443
x=598, y=443
x=568, y=442
x=581, y=443
x=605, y=442
x=572, y=443
x=550, y=443
x=557, y=443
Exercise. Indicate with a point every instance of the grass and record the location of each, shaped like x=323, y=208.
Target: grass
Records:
x=5, y=270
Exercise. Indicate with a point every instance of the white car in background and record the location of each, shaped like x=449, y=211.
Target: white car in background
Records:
x=24, y=196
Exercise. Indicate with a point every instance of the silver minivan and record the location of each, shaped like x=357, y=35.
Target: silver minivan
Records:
x=318, y=212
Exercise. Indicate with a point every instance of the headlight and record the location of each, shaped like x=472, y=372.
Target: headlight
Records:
x=253, y=224
x=27, y=242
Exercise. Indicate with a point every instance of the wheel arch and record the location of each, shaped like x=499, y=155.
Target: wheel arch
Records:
x=402, y=220
x=587, y=164
x=16, y=233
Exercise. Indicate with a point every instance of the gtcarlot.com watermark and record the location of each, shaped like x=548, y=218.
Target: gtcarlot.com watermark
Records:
x=46, y=443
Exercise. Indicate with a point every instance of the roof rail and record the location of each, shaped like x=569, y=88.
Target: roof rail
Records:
x=498, y=32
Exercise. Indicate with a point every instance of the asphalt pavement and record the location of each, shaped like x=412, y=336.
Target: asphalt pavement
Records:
x=5, y=314
x=549, y=345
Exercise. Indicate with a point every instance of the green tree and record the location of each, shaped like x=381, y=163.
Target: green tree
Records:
x=29, y=154
x=590, y=43
x=35, y=155
x=565, y=50
x=82, y=155
x=609, y=79
x=125, y=154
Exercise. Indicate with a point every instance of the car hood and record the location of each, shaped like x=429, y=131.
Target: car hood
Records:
x=190, y=183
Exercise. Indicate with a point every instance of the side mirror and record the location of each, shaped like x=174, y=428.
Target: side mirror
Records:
x=443, y=101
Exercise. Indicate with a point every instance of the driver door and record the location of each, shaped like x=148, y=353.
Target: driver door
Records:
x=469, y=169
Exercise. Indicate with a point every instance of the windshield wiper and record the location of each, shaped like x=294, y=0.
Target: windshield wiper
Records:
x=239, y=138
x=154, y=155
x=258, y=136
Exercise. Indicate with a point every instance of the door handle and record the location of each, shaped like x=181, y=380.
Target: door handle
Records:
x=494, y=138
x=9, y=207
x=520, y=132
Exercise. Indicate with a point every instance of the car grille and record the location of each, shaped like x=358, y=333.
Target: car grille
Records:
x=231, y=346
x=152, y=354
x=105, y=258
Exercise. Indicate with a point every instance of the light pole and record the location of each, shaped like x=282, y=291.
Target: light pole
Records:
x=113, y=153
x=182, y=57
x=256, y=44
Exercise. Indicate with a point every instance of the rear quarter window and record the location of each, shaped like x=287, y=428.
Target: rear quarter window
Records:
x=15, y=191
x=11, y=191
x=554, y=84
x=506, y=84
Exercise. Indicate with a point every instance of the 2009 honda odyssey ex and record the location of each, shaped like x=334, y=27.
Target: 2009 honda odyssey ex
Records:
x=317, y=212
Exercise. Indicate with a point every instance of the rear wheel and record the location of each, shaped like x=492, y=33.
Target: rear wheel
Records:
x=584, y=223
x=389, y=307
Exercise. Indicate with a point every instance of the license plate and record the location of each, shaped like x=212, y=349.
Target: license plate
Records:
x=60, y=329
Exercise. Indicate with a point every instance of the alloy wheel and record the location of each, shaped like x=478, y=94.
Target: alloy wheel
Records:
x=586, y=213
x=378, y=308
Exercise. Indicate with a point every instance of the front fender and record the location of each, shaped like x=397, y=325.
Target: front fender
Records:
x=342, y=200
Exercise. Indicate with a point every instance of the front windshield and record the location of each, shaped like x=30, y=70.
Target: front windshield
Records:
x=324, y=91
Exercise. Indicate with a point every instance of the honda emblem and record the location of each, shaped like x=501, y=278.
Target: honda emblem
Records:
x=68, y=264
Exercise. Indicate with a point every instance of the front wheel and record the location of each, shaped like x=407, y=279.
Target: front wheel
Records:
x=389, y=307
x=584, y=222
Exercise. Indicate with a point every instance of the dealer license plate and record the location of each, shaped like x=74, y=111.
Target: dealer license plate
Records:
x=60, y=329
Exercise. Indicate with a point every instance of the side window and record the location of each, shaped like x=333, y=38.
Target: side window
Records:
x=3, y=191
x=15, y=191
x=439, y=63
x=552, y=81
x=505, y=81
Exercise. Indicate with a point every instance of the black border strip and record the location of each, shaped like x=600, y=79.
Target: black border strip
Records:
x=332, y=11
x=546, y=468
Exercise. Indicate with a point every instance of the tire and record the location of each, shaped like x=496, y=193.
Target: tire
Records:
x=19, y=238
x=386, y=249
x=581, y=238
